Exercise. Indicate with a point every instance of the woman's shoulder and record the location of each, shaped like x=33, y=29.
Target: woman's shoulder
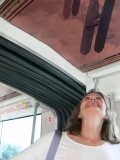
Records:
x=115, y=146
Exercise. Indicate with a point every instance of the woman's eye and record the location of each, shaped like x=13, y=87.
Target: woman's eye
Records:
x=99, y=98
x=87, y=98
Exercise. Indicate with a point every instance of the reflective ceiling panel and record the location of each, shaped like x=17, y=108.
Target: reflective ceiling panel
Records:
x=5, y=90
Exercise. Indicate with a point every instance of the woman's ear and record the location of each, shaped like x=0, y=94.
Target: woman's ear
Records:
x=106, y=117
x=79, y=116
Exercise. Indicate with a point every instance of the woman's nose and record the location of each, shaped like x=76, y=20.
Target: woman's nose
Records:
x=92, y=98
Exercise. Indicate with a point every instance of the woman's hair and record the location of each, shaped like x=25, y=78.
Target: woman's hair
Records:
x=110, y=131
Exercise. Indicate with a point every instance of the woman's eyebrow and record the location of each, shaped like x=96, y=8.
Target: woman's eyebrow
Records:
x=95, y=95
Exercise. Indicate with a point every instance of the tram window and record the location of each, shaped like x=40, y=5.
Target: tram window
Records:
x=16, y=135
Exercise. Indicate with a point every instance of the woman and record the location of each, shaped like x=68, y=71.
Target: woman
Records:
x=91, y=134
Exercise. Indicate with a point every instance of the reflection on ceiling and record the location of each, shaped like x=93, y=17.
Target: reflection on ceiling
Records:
x=7, y=93
x=4, y=90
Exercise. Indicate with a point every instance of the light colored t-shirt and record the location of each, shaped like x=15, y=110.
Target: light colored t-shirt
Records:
x=68, y=149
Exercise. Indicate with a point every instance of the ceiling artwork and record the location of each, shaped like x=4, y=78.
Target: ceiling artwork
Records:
x=81, y=31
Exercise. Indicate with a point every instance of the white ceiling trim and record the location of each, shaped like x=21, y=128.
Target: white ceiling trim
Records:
x=1, y=1
x=112, y=68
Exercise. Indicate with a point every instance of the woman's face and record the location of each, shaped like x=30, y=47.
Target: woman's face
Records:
x=93, y=104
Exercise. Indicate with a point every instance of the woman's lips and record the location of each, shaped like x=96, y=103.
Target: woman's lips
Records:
x=92, y=104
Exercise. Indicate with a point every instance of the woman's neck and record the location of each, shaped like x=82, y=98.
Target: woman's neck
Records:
x=91, y=129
